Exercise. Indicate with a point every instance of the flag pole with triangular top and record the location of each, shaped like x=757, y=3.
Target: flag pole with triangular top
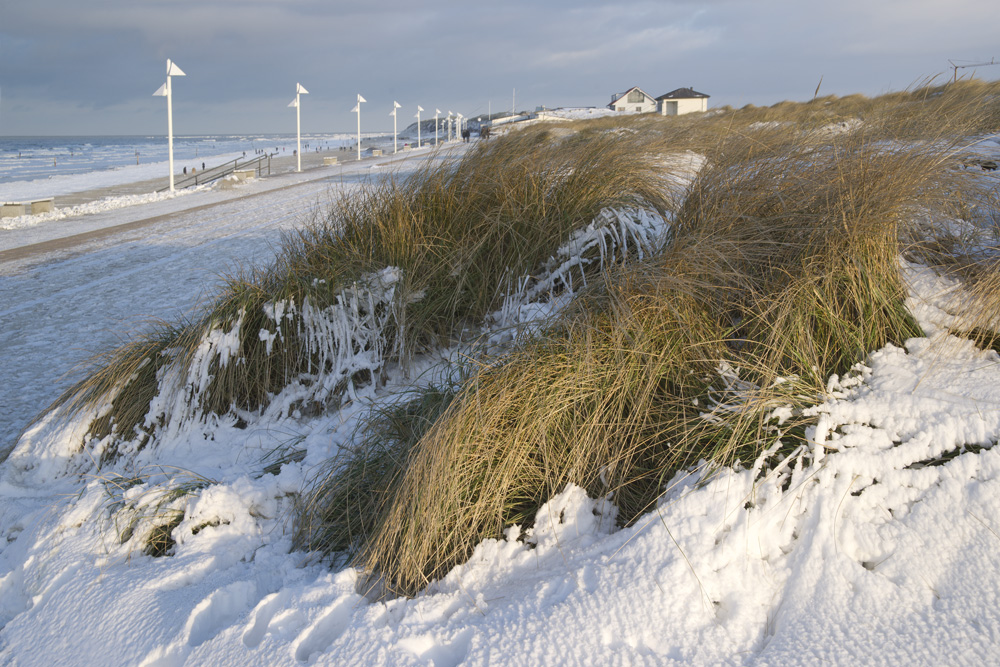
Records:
x=165, y=91
x=357, y=110
x=299, y=90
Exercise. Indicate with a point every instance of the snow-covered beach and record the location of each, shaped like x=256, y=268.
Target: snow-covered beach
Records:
x=875, y=549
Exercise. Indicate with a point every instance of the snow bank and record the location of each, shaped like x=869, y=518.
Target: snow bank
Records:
x=873, y=544
x=106, y=204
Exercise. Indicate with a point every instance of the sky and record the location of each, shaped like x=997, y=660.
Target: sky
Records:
x=76, y=67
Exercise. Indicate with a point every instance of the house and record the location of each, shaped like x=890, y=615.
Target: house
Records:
x=681, y=101
x=634, y=99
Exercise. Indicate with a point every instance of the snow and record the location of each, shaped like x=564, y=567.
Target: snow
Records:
x=68, y=183
x=90, y=208
x=876, y=544
x=578, y=113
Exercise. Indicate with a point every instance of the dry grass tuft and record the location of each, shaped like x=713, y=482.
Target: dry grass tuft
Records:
x=457, y=232
x=784, y=270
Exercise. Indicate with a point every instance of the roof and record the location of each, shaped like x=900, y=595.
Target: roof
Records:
x=682, y=94
x=618, y=96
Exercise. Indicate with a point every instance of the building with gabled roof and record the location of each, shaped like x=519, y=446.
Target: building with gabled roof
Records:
x=635, y=100
x=681, y=101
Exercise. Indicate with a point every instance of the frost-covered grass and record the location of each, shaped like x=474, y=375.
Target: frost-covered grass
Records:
x=402, y=266
x=778, y=268
x=782, y=271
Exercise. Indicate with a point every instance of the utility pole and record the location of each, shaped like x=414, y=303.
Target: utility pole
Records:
x=955, y=67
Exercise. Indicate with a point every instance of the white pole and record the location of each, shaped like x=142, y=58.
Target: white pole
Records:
x=437, y=112
x=299, y=90
x=170, y=130
x=395, y=135
x=449, y=125
x=357, y=108
x=165, y=91
x=419, y=109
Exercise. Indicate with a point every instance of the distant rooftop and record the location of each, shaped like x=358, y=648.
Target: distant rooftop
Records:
x=682, y=94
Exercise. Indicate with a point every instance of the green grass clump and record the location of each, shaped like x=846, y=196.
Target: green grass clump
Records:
x=148, y=519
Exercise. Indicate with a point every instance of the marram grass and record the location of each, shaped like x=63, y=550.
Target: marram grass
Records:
x=454, y=232
x=783, y=270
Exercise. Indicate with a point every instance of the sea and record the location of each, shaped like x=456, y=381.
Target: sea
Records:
x=46, y=166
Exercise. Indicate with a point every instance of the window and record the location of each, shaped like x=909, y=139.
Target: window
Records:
x=635, y=96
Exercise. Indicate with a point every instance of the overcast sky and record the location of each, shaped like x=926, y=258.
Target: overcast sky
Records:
x=91, y=66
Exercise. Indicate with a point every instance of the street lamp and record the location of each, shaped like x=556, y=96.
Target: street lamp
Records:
x=458, y=134
x=164, y=91
x=299, y=90
x=449, y=125
x=357, y=110
x=395, y=136
x=419, y=109
x=437, y=112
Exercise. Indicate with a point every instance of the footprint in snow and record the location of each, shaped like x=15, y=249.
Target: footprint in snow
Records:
x=263, y=614
x=209, y=617
x=587, y=578
x=441, y=653
x=325, y=630
x=557, y=590
x=219, y=611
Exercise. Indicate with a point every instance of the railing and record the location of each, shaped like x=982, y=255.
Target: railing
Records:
x=260, y=164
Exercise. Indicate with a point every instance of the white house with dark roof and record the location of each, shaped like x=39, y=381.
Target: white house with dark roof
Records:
x=681, y=101
x=635, y=100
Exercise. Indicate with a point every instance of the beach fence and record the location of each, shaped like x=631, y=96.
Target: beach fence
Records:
x=240, y=168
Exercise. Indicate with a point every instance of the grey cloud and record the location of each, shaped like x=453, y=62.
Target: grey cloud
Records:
x=100, y=60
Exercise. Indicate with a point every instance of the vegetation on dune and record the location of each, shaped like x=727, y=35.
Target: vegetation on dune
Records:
x=782, y=269
x=455, y=235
